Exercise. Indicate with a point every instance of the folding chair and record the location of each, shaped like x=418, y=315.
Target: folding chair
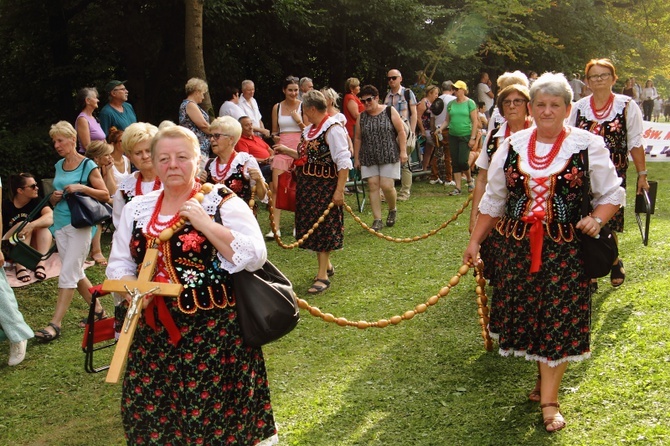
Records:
x=97, y=332
x=357, y=180
x=645, y=203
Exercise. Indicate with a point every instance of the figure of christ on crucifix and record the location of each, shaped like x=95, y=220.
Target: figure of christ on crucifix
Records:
x=137, y=289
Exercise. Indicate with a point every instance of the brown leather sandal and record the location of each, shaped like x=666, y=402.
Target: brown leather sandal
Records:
x=557, y=418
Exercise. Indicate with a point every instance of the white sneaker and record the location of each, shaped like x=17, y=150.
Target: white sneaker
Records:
x=17, y=352
x=436, y=181
x=450, y=183
x=271, y=235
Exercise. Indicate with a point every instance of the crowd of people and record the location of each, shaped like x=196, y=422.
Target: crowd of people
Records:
x=521, y=152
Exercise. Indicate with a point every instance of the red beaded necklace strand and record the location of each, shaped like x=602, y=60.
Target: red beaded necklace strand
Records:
x=221, y=173
x=154, y=228
x=542, y=162
x=138, y=184
x=314, y=130
x=601, y=113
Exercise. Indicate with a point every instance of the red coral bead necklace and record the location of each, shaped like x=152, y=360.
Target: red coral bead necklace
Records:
x=542, y=162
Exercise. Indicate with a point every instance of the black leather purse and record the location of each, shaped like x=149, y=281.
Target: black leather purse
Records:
x=267, y=307
x=86, y=211
x=598, y=253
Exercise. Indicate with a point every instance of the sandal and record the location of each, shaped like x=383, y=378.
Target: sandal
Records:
x=556, y=420
x=617, y=273
x=330, y=271
x=317, y=289
x=40, y=273
x=25, y=278
x=46, y=336
x=98, y=258
x=534, y=394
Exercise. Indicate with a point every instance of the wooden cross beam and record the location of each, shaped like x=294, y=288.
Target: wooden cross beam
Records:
x=137, y=289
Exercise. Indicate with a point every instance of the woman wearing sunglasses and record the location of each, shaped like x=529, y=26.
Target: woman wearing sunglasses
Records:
x=379, y=150
x=15, y=210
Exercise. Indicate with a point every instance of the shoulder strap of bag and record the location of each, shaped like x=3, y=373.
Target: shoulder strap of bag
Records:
x=83, y=169
x=388, y=113
x=587, y=183
x=407, y=96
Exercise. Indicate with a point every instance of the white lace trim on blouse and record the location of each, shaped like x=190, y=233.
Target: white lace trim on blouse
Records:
x=584, y=107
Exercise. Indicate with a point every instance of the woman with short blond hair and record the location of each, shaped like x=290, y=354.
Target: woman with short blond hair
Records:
x=193, y=117
x=74, y=173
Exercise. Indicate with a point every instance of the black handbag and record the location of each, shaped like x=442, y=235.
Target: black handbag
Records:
x=86, y=211
x=22, y=253
x=598, y=253
x=267, y=307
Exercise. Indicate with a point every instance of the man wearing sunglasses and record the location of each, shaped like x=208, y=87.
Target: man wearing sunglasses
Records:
x=404, y=101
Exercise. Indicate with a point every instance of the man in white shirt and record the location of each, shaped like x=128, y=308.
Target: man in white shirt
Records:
x=484, y=93
x=577, y=87
x=305, y=84
x=250, y=107
x=231, y=106
x=407, y=110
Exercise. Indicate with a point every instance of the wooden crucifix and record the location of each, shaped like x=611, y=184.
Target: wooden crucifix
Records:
x=137, y=289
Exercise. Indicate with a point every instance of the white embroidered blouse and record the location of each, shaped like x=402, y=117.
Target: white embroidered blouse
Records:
x=605, y=184
x=248, y=245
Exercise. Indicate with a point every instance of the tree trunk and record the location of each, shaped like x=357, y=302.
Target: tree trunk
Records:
x=195, y=61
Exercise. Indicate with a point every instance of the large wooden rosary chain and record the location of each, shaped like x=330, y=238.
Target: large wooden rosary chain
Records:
x=482, y=308
x=480, y=289
x=358, y=220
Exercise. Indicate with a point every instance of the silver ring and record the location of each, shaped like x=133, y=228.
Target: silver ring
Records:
x=188, y=207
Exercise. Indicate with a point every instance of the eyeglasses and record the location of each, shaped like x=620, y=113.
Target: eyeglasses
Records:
x=119, y=89
x=32, y=186
x=517, y=102
x=391, y=78
x=292, y=79
x=600, y=77
x=367, y=100
x=218, y=135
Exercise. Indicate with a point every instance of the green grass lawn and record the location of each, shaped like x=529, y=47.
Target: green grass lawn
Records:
x=427, y=381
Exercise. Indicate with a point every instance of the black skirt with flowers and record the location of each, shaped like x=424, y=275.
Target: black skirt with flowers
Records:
x=210, y=388
x=544, y=315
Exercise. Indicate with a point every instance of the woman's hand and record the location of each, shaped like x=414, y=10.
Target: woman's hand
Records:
x=403, y=157
x=202, y=174
x=296, y=117
x=56, y=197
x=192, y=211
x=255, y=174
x=26, y=231
x=589, y=226
x=74, y=187
x=338, y=197
x=357, y=163
x=642, y=184
x=470, y=254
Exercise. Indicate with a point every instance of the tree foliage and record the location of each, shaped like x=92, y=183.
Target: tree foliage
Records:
x=50, y=48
